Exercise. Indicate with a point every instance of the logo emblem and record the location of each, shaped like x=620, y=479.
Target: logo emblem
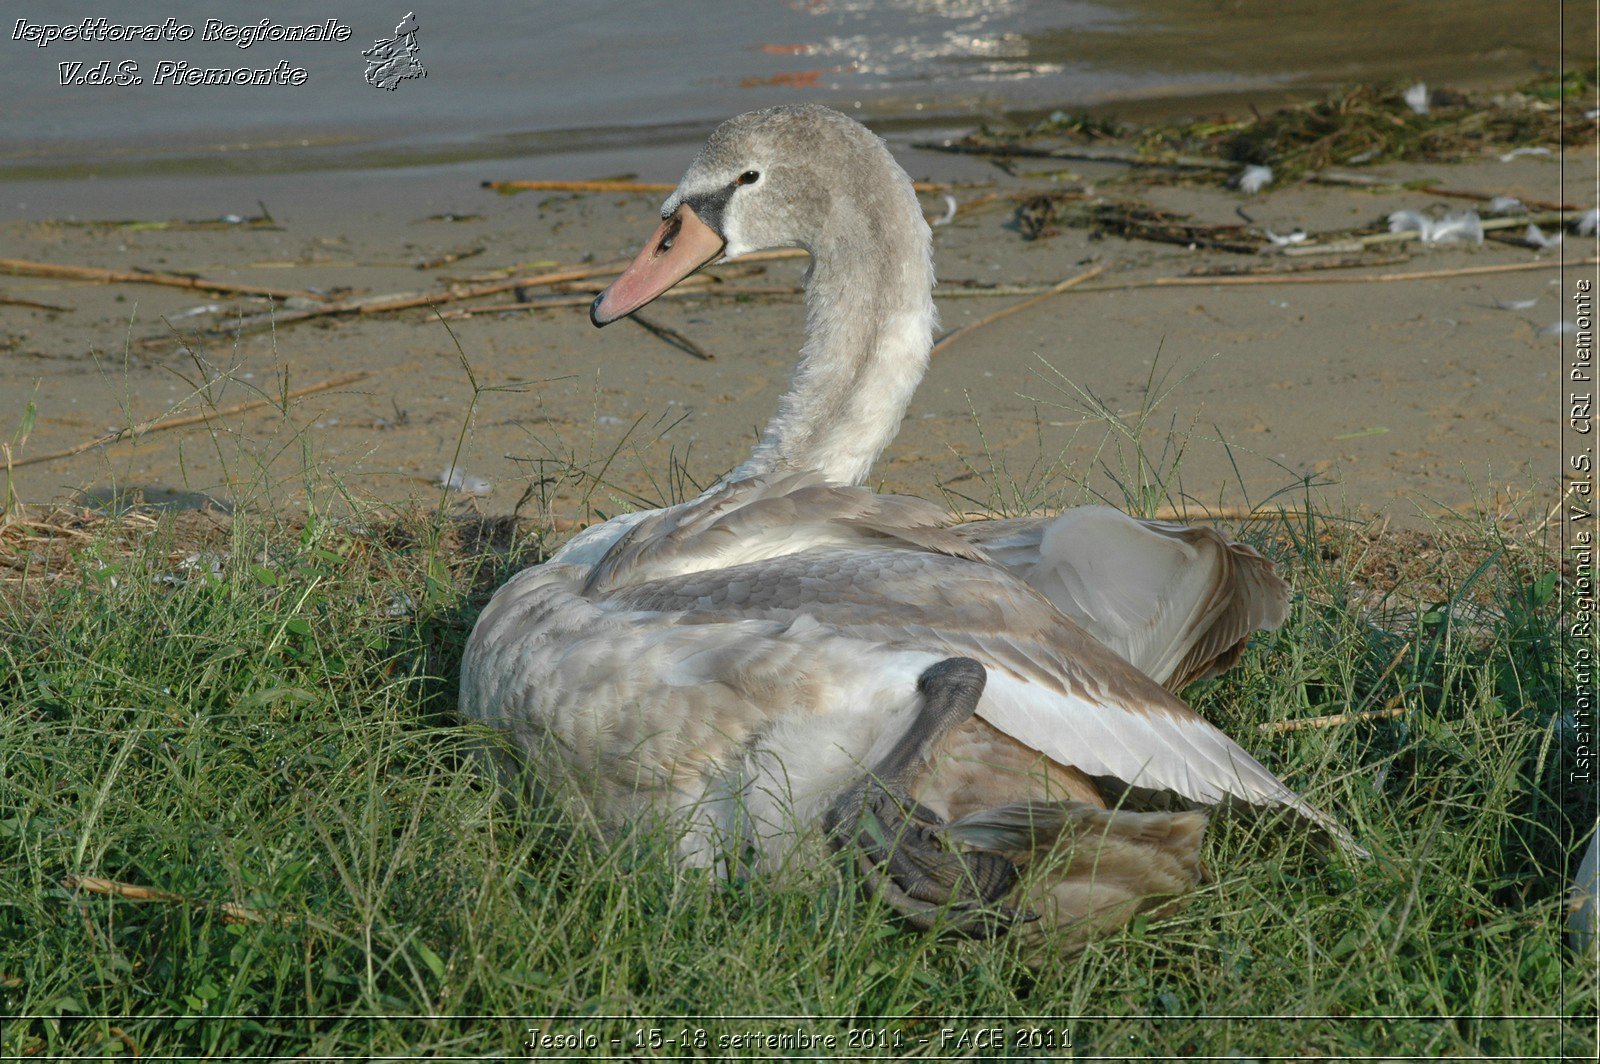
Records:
x=392, y=61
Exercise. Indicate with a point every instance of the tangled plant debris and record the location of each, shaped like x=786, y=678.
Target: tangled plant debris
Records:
x=1351, y=127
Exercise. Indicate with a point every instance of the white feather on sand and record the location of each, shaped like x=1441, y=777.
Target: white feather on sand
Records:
x=1536, y=236
x=1253, y=179
x=466, y=483
x=1460, y=225
x=1514, y=152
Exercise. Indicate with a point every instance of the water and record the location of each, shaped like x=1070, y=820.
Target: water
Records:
x=530, y=75
x=510, y=79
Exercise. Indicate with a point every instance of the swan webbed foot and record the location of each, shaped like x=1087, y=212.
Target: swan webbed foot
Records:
x=904, y=862
x=903, y=858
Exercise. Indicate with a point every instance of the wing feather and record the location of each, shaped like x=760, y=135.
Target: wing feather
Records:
x=767, y=517
x=1179, y=603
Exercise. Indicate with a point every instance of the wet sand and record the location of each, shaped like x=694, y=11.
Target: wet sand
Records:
x=1405, y=399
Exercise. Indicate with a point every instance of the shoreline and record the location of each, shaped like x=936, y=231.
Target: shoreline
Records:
x=1401, y=399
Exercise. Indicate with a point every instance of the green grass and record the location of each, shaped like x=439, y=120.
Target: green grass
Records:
x=279, y=735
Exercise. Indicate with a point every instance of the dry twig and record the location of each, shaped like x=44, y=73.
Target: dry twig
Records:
x=407, y=300
x=448, y=257
x=1335, y=244
x=578, y=186
x=454, y=294
x=1340, y=177
x=27, y=268
x=1295, y=278
x=1392, y=709
x=1349, y=262
x=145, y=428
x=1005, y=312
x=724, y=291
x=672, y=336
x=1333, y=720
x=31, y=304
x=232, y=912
x=633, y=186
x=1223, y=513
x=1095, y=155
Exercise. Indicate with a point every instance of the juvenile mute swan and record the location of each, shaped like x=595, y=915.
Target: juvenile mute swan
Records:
x=791, y=652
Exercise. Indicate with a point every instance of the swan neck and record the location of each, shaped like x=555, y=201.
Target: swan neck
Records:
x=869, y=326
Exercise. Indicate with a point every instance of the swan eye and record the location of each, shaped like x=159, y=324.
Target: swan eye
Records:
x=749, y=177
x=674, y=227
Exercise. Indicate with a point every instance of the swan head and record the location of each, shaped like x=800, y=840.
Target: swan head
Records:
x=803, y=176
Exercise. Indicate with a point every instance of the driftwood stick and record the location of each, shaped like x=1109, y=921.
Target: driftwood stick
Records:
x=1297, y=278
x=176, y=225
x=1485, y=197
x=131, y=891
x=1390, y=709
x=1347, y=263
x=407, y=300
x=1333, y=720
x=1223, y=513
x=952, y=290
x=1339, y=177
x=1333, y=243
x=1289, y=274
x=12, y=301
x=595, y=284
x=726, y=268
x=26, y=268
x=1005, y=312
x=1166, y=513
x=577, y=186
x=634, y=186
x=145, y=428
x=1094, y=155
x=1413, y=275
x=672, y=336
x=232, y=912
x=722, y=291
x=767, y=256
x=448, y=257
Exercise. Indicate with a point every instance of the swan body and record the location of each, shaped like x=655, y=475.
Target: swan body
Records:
x=791, y=651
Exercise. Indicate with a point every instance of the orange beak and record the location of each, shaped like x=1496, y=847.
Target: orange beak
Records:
x=679, y=247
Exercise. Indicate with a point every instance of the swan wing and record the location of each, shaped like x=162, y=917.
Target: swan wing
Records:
x=1178, y=603
x=768, y=517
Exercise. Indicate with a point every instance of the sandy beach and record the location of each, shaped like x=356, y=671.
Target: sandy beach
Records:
x=1407, y=398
